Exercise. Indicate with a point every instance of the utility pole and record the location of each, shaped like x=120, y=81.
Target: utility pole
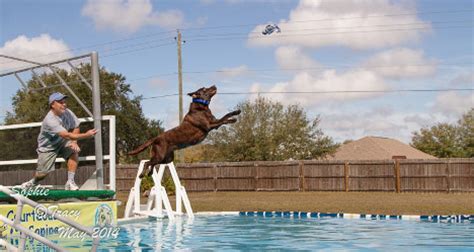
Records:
x=180, y=88
x=180, y=78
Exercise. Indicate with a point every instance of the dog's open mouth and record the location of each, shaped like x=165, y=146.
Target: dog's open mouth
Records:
x=213, y=90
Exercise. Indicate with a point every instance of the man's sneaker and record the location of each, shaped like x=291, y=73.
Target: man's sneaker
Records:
x=27, y=184
x=71, y=186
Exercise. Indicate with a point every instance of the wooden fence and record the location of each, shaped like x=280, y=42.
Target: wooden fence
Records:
x=439, y=175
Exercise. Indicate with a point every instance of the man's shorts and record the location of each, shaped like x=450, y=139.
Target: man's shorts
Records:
x=46, y=160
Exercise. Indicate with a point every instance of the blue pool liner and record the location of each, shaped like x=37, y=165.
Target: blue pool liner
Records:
x=320, y=215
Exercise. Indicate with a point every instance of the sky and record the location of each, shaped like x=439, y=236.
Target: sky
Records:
x=365, y=67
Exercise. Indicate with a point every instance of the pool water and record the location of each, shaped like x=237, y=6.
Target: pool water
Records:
x=257, y=233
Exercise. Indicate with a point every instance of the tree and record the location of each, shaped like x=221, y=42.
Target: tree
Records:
x=446, y=140
x=466, y=133
x=132, y=127
x=266, y=130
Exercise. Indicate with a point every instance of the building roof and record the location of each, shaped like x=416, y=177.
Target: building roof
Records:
x=377, y=148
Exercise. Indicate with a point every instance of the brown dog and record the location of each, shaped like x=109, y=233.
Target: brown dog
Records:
x=195, y=126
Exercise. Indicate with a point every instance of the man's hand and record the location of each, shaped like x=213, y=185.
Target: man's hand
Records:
x=91, y=132
x=73, y=145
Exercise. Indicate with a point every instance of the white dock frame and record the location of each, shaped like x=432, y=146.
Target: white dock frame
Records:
x=158, y=196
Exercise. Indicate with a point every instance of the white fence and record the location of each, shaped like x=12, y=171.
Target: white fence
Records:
x=110, y=157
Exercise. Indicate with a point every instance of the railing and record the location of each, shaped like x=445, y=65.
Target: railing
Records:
x=111, y=157
x=7, y=246
x=24, y=232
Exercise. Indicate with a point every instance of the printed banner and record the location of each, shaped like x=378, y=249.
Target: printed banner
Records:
x=90, y=214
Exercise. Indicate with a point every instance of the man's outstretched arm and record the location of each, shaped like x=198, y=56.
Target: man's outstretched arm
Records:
x=75, y=135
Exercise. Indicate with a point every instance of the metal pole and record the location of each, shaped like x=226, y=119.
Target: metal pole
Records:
x=38, y=64
x=97, y=120
x=112, y=160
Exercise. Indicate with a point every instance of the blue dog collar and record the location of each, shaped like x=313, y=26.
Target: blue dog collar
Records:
x=201, y=101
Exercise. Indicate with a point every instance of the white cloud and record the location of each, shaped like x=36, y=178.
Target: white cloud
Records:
x=327, y=81
x=401, y=63
x=462, y=79
x=158, y=83
x=230, y=72
x=346, y=122
x=171, y=119
x=453, y=104
x=207, y=2
x=170, y=19
x=386, y=122
x=359, y=24
x=129, y=15
x=292, y=57
x=418, y=119
x=201, y=21
x=39, y=49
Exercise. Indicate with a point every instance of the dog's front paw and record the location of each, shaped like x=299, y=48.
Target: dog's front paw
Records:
x=150, y=172
x=231, y=120
x=237, y=112
x=144, y=172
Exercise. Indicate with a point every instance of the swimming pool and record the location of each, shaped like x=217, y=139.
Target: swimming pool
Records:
x=243, y=232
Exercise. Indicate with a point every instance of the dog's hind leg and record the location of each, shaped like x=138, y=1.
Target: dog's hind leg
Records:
x=145, y=169
x=149, y=165
x=157, y=157
x=167, y=159
x=153, y=162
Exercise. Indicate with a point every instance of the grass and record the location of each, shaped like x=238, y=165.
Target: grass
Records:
x=345, y=202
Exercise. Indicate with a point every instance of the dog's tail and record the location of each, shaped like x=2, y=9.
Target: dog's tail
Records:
x=142, y=147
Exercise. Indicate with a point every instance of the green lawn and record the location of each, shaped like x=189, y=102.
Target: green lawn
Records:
x=344, y=202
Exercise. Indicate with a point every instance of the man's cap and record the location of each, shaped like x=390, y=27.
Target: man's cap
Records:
x=56, y=97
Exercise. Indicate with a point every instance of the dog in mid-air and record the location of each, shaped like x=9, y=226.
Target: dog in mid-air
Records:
x=193, y=129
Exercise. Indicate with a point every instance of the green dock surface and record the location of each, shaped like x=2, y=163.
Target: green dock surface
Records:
x=58, y=195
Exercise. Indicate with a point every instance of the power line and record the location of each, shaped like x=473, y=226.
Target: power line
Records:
x=243, y=25
x=267, y=69
x=425, y=25
x=326, y=33
x=99, y=44
x=324, y=67
x=136, y=50
x=340, y=18
x=326, y=92
x=108, y=54
x=302, y=68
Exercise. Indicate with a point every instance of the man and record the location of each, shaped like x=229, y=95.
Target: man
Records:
x=58, y=137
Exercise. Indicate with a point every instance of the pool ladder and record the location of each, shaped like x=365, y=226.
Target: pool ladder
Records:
x=158, y=196
x=24, y=232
